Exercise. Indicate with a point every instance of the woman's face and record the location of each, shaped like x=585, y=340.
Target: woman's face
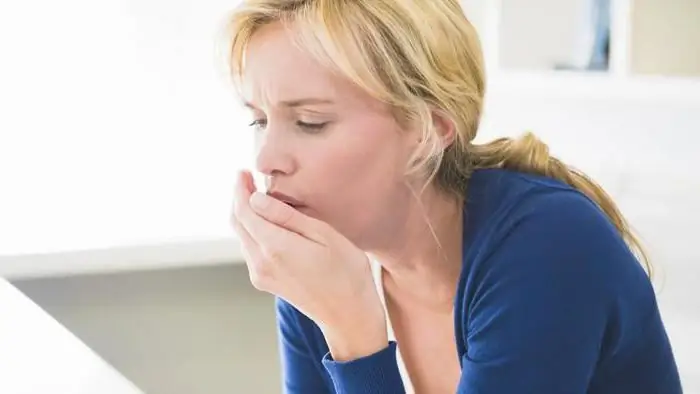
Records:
x=324, y=142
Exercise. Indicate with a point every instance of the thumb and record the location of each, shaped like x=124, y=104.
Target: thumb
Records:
x=281, y=214
x=246, y=178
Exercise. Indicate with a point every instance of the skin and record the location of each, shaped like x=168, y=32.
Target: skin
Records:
x=341, y=155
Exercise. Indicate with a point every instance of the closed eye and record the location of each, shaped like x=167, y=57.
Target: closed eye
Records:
x=313, y=127
x=258, y=124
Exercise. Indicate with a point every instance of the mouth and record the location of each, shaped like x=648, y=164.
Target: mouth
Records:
x=290, y=201
x=296, y=207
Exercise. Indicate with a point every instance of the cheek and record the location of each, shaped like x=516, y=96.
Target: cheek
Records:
x=357, y=179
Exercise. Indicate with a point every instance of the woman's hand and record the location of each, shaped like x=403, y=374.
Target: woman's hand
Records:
x=313, y=267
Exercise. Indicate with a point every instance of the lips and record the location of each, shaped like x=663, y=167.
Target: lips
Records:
x=291, y=201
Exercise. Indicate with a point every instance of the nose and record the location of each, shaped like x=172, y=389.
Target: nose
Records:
x=274, y=156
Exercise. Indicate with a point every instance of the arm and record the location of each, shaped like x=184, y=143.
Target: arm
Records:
x=304, y=372
x=310, y=265
x=377, y=373
x=300, y=368
x=537, y=322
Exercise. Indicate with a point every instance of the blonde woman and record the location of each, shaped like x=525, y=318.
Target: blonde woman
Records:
x=405, y=257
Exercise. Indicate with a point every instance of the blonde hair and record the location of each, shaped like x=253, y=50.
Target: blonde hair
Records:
x=419, y=57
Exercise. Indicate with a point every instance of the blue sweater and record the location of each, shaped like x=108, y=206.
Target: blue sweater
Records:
x=550, y=301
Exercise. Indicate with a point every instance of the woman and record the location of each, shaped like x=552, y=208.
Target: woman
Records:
x=492, y=268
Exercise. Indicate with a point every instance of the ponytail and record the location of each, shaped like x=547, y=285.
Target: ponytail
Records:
x=529, y=154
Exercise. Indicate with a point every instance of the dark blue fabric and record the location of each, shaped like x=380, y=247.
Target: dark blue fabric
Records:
x=550, y=300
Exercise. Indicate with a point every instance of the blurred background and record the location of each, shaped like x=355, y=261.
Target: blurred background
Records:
x=120, y=136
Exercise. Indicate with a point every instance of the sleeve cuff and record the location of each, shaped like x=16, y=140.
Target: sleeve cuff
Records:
x=377, y=373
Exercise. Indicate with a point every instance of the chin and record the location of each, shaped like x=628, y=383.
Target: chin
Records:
x=352, y=227
x=360, y=236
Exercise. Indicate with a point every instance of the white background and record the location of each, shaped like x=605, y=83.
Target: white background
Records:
x=118, y=125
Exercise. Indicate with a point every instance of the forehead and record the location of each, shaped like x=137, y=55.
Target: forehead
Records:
x=278, y=69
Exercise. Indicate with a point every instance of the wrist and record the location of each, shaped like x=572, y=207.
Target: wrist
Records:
x=357, y=341
x=360, y=328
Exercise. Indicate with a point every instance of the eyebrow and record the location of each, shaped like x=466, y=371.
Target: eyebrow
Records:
x=297, y=102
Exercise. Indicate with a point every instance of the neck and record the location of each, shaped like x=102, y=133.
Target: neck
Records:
x=423, y=259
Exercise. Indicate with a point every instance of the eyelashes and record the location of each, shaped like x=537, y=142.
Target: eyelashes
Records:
x=258, y=124
x=312, y=128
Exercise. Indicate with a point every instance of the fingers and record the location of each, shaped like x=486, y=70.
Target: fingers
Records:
x=268, y=235
x=254, y=259
x=247, y=180
x=241, y=194
x=273, y=211
x=283, y=215
x=249, y=247
x=244, y=187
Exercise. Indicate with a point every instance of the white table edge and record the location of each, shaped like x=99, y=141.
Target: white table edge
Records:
x=150, y=256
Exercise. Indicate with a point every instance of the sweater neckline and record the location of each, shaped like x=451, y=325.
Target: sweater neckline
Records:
x=378, y=276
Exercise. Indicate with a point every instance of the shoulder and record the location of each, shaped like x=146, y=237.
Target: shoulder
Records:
x=546, y=232
x=549, y=291
x=541, y=239
x=525, y=212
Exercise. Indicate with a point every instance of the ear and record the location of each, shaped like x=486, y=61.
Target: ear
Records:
x=445, y=128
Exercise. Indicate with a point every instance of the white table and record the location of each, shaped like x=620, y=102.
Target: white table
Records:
x=39, y=356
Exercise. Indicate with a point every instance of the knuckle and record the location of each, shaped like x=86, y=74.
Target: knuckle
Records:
x=260, y=276
x=322, y=228
x=237, y=228
x=286, y=216
x=256, y=281
x=238, y=210
x=273, y=254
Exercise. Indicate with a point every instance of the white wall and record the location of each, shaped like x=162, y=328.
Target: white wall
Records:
x=666, y=37
x=121, y=109
x=539, y=34
x=536, y=34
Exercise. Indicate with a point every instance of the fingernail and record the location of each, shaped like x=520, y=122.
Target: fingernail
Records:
x=259, y=200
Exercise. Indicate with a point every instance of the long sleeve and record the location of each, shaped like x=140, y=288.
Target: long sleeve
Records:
x=374, y=374
x=300, y=367
x=307, y=366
